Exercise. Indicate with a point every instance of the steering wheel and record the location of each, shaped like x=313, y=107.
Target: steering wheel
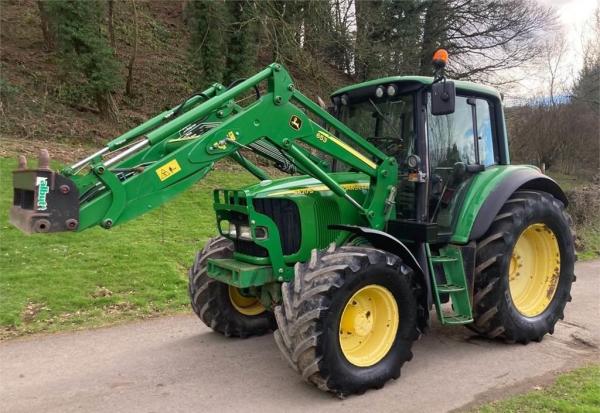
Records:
x=385, y=142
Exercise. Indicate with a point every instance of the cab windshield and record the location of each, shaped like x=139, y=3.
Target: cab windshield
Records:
x=389, y=124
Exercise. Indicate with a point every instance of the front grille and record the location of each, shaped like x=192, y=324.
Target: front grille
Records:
x=327, y=212
x=286, y=216
x=249, y=248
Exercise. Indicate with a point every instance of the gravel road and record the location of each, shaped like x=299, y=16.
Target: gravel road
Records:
x=177, y=364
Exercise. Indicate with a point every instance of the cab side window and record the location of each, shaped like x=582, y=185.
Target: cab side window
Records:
x=451, y=140
x=487, y=152
x=451, y=136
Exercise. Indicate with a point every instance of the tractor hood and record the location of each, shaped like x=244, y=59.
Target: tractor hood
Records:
x=278, y=222
x=306, y=185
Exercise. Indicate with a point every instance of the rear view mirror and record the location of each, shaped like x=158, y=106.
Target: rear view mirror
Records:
x=443, y=96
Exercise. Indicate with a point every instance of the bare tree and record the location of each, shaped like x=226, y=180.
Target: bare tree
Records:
x=489, y=36
x=484, y=37
x=111, y=24
x=48, y=30
x=554, y=52
x=129, y=82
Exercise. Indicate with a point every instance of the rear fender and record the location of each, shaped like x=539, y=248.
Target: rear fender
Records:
x=522, y=179
x=477, y=216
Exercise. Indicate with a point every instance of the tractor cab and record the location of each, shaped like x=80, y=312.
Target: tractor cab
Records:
x=437, y=151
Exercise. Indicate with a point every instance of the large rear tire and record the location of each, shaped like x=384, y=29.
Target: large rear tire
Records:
x=222, y=307
x=524, y=269
x=349, y=319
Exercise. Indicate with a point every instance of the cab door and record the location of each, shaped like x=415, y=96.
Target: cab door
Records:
x=455, y=151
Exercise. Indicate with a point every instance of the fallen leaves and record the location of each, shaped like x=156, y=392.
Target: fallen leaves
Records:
x=102, y=292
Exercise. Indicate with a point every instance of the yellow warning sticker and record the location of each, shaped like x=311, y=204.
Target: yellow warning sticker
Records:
x=168, y=170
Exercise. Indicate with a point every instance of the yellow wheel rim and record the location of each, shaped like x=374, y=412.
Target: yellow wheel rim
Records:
x=534, y=270
x=245, y=305
x=368, y=325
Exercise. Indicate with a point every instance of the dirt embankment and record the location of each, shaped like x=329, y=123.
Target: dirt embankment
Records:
x=37, y=110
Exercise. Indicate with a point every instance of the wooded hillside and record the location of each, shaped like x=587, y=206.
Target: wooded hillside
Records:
x=84, y=71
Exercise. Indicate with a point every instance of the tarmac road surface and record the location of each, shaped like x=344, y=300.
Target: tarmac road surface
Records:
x=177, y=364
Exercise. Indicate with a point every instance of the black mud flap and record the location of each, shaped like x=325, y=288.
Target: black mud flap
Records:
x=43, y=200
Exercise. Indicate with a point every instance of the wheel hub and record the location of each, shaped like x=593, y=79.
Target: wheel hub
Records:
x=368, y=325
x=534, y=270
x=249, y=306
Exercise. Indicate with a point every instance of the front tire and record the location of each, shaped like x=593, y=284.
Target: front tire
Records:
x=349, y=319
x=524, y=269
x=220, y=306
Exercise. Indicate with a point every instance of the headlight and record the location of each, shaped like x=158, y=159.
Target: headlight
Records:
x=245, y=233
x=379, y=92
x=260, y=232
x=224, y=227
x=232, y=230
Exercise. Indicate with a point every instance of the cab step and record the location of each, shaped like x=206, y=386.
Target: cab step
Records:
x=450, y=259
x=457, y=319
x=440, y=259
x=449, y=288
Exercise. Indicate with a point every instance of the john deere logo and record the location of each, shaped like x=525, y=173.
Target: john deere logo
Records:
x=295, y=122
x=42, y=186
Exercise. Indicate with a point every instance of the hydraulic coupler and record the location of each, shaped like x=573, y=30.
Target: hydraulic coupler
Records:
x=43, y=201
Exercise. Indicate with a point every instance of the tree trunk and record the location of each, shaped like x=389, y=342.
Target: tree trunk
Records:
x=47, y=27
x=432, y=34
x=183, y=11
x=360, y=54
x=111, y=26
x=107, y=106
x=129, y=83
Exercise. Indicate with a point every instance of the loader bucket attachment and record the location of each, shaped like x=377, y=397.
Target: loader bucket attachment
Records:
x=43, y=200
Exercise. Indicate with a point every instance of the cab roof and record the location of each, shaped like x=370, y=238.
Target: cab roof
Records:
x=461, y=85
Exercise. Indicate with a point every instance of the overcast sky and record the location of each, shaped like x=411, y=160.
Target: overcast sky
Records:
x=574, y=16
x=574, y=20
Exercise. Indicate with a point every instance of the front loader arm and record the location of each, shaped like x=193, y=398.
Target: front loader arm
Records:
x=154, y=162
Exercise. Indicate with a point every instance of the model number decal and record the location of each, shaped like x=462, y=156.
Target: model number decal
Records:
x=322, y=136
x=351, y=186
x=327, y=137
x=168, y=170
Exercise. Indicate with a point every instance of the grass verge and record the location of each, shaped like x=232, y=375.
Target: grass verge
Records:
x=590, y=236
x=575, y=392
x=64, y=281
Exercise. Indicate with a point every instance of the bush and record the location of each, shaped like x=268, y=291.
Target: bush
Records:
x=84, y=52
x=7, y=89
x=584, y=204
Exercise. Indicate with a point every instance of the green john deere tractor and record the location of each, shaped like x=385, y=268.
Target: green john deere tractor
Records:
x=401, y=197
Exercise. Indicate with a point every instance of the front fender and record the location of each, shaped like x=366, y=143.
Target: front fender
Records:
x=386, y=242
